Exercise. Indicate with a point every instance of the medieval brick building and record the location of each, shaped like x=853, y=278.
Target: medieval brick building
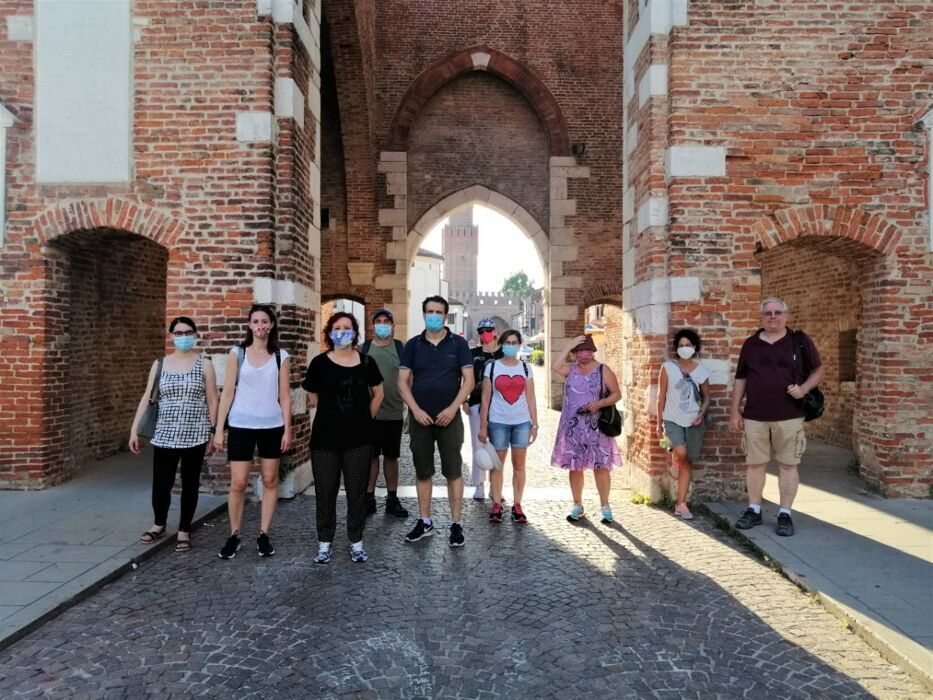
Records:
x=674, y=160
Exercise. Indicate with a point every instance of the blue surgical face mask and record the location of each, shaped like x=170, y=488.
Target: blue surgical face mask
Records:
x=383, y=330
x=510, y=350
x=342, y=339
x=434, y=322
x=184, y=343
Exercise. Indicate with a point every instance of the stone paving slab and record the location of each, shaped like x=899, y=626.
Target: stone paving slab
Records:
x=57, y=545
x=869, y=559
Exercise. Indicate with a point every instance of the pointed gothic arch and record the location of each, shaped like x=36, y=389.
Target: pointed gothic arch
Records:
x=481, y=58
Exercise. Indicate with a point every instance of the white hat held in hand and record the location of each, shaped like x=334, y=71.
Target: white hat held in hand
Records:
x=486, y=457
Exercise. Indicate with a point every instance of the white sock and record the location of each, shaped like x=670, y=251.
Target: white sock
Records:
x=784, y=510
x=427, y=521
x=356, y=545
x=756, y=508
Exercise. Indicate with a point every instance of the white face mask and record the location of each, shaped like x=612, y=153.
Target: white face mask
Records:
x=686, y=352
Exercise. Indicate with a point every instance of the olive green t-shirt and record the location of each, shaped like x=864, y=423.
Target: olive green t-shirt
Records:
x=387, y=360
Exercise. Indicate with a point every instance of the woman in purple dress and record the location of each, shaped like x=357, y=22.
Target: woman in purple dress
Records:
x=589, y=386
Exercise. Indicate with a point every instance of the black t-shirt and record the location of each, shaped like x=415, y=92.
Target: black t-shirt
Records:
x=343, y=394
x=480, y=358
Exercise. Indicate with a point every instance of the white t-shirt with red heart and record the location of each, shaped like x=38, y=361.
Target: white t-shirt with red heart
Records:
x=508, y=405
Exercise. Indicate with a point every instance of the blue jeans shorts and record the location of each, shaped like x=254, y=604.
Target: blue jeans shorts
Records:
x=502, y=435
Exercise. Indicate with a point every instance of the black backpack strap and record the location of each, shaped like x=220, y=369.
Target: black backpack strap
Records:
x=399, y=348
x=278, y=359
x=365, y=349
x=525, y=367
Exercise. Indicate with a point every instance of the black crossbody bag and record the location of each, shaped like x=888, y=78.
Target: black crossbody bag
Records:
x=812, y=403
x=610, y=419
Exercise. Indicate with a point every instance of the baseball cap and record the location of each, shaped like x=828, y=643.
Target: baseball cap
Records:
x=384, y=312
x=486, y=323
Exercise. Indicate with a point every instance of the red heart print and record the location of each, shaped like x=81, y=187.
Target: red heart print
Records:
x=511, y=388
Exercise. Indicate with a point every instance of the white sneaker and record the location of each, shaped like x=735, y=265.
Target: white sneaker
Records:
x=357, y=553
x=681, y=511
x=479, y=494
x=323, y=553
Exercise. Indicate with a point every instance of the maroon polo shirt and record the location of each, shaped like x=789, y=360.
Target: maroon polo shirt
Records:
x=768, y=369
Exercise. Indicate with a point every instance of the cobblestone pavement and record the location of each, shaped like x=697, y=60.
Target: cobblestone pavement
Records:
x=647, y=607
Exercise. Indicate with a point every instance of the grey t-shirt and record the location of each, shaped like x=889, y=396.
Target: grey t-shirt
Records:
x=387, y=360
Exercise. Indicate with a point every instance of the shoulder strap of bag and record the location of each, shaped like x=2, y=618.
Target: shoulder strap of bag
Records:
x=801, y=349
x=399, y=348
x=602, y=387
x=524, y=367
x=278, y=359
x=366, y=346
x=240, y=358
x=492, y=375
x=156, y=383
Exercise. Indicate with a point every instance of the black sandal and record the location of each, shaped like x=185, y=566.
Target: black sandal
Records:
x=182, y=546
x=150, y=536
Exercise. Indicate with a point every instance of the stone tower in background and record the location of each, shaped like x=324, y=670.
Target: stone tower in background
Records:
x=460, y=250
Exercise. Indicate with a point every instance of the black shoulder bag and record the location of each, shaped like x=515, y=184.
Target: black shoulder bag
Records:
x=812, y=402
x=147, y=424
x=610, y=419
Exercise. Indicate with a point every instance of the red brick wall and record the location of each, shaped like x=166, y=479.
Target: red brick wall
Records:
x=817, y=105
x=227, y=212
x=458, y=140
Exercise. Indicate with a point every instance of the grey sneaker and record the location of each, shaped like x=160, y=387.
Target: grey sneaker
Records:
x=785, y=526
x=357, y=553
x=323, y=553
x=748, y=520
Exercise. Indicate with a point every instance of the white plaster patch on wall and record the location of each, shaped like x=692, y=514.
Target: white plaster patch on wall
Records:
x=83, y=91
x=653, y=82
x=255, y=127
x=629, y=257
x=652, y=212
x=263, y=7
x=631, y=139
x=652, y=319
x=662, y=290
x=220, y=366
x=286, y=292
x=6, y=121
x=695, y=161
x=480, y=59
x=628, y=205
x=719, y=371
x=20, y=28
x=927, y=122
x=289, y=102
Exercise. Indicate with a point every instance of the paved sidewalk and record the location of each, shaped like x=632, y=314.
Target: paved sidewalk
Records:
x=868, y=558
x=59, y=544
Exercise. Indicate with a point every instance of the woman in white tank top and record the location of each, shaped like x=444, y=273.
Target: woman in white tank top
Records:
x=256, y=403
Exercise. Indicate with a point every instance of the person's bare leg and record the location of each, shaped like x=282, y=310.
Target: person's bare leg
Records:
x=576, y=486
x=239, y=475
x=755, y=483
x=518, y=473
x=390, y=470
x=270, y=492
x=455, y=497
x=682, y=463
x=788, y=481
x=496, y=479
x=425, y=488
x=603, y=479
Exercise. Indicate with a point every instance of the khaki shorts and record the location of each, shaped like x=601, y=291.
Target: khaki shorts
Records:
x=785, y=439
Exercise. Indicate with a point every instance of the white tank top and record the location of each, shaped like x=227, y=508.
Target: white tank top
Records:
x=681, y=406
x=256, y=402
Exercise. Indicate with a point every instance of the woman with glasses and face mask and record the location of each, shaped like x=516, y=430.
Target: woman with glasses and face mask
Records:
x=580, y=447
x=683, y=399
x=187, y=400
x=346, y=388
x=257, y=404
x=508, y=418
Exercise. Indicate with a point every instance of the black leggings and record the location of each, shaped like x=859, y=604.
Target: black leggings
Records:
x=164, y=465
x=327, y=466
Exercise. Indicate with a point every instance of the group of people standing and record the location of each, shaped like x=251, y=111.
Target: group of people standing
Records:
x=360, y=392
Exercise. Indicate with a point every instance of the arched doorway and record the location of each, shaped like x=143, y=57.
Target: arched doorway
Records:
x=107, y=290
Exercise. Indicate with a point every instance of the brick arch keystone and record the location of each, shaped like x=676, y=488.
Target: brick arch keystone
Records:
x=499, y=64
x=108, y=213
x=827, y=221
x=480, y=194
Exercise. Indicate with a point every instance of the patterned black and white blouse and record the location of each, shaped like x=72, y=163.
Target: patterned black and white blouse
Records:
x=183, y=417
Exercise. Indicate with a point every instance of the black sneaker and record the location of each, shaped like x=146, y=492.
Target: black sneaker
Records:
x=394, y=507
x=456, y=535
x=231, y=547
x=419, y=531
x=370, y=504
x=785, y=526
x=748, y=520
x=264, y=545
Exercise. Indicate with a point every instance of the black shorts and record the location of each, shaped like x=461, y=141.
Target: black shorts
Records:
x=242, y=443
x=387, y=438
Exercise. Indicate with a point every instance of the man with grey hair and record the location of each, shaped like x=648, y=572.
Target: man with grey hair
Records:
x=769, y=378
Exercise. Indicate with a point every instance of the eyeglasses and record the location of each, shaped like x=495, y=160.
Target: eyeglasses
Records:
x=772, y=314
x=184, y=334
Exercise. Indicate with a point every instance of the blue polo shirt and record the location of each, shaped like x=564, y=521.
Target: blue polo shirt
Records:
x=436, y=369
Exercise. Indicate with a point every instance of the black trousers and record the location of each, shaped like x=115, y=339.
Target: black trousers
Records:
x=164, y=465
x=327, y=467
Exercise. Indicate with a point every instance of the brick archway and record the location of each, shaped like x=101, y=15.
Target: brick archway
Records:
x=480, y=194
x=827, y=221
x=487, y=59
x=111, y=213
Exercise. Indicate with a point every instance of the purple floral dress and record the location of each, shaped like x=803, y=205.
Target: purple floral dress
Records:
x=579, y=443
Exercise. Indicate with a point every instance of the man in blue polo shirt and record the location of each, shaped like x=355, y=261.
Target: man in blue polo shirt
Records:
x=435, y=377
